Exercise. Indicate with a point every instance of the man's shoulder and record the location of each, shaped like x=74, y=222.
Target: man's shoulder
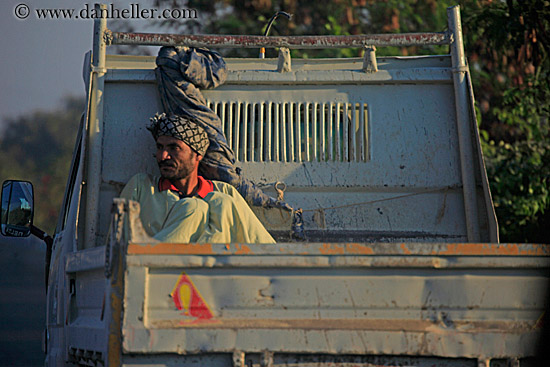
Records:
x=143, y=179
x=220, y=183
x=225, y=188
x=230, y=191
x=136, y=185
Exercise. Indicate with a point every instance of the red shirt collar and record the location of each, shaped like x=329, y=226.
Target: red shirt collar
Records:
x=204, y=187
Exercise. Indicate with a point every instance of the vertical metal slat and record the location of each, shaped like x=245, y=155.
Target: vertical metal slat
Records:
x=251, y=135
x=298, y=135
x=337, y=133
x=366, y=136
x=224, y=121
x=283, y=127
x=362, y=131
x=244, y=133
x=229, y=119
x=353, y=127
x=268, y=132
x=322, y=142
x=261, y=121
x=231, y=127
x=275, y=135
x=236, y=127
x=345, y=138
x=330, y=134
x=306, y=131
x=314, y=126
x=290, y=128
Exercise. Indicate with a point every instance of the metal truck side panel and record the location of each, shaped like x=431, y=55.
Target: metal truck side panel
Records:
x=447, y=300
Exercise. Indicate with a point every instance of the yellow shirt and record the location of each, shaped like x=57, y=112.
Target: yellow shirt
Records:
x=222, y=216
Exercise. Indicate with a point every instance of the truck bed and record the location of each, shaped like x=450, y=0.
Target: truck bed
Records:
x=433, y=302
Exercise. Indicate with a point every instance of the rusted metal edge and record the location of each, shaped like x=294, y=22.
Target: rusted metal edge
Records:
x=296, y=42
x=355, y=249
x=332, y=262
x=419, y=326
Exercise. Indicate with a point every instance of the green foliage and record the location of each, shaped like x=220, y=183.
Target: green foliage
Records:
x=520, y=183
x=507, y=44
x=520, y=169
x=526, y=110
x=38, y=147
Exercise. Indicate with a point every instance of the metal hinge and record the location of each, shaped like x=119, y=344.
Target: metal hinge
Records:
x=284, y=64
x=238, y=359
x=369, y=60
x=267, y=359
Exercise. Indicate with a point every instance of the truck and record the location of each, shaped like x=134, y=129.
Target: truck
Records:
x=401, y=265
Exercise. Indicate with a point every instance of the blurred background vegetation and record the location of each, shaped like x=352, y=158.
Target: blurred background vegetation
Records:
x=507, y=45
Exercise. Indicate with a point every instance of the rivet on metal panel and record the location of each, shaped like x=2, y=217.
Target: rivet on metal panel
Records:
x=283, y=64
x=267, y=359
x=369, y=60
x=483, y=362
x=238, y=359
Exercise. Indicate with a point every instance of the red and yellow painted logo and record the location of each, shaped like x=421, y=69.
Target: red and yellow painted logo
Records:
x=188, y=299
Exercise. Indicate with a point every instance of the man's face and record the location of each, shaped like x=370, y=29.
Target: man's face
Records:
x=175, y=159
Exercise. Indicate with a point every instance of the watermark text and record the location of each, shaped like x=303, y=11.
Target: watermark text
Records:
x=87, y=11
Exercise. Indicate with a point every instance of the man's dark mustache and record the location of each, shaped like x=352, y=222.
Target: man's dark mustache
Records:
x=167, y=163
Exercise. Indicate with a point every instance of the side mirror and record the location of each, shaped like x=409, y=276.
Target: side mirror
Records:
x=17, y=208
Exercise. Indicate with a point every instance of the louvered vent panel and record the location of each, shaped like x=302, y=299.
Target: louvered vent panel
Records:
x=295, y=132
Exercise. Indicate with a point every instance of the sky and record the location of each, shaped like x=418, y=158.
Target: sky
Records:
x=41, y=59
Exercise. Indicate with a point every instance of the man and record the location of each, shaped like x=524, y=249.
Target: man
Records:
x=181, y=206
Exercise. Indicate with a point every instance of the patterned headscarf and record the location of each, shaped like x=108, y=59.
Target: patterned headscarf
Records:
x=181, y=128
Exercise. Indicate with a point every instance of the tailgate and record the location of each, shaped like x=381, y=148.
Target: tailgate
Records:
x=445, y=300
